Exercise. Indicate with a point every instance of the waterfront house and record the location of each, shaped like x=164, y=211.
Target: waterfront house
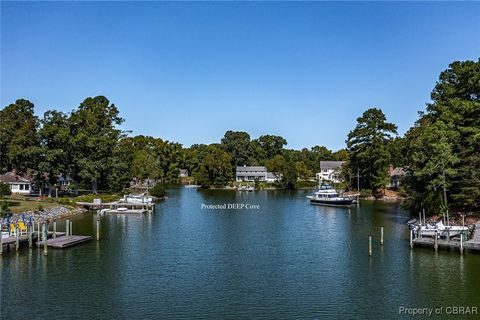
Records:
x=183, y=173
x=330, y=171
x=255, y=173
x=18, y=184
x=396, y=175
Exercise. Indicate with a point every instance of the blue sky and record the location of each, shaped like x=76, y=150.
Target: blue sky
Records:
x=187, y=72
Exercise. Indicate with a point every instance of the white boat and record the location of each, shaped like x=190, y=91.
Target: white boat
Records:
x=430, y=230
x=246, y=188
x=192, y=186
x=326, y=195
x=137, y=198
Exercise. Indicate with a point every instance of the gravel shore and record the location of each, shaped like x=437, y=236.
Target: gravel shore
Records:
x=48, y=214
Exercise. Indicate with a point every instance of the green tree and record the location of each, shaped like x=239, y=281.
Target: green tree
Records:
x=272, y=145
x=367, y=147
x=216, y=167
x=94, y=134
x=237, y=144
x=19, y=141
x=447, y=136
x=4, y=190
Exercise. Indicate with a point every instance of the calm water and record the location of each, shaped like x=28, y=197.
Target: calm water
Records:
x=286, y=260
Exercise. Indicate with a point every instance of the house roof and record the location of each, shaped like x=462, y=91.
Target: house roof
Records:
x=183, y=171
x=12, y=177
x=331, y=164
x=250, y=169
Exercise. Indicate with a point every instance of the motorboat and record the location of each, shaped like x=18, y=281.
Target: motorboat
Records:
x=327, y=195
x=438, y=228
x=246, y=188
x=137, y=198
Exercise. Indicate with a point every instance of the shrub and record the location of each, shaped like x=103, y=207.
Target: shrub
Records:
x=4, y=190
x=158, y=191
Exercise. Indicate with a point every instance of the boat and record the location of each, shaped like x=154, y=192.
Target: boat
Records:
x=246, y=188
x=326, y=195
x=137, y=198
x=438, y=228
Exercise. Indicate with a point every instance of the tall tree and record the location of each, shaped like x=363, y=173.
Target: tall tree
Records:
x=450, y=127
x=19, y=142
x=216, y=167
x=95, y=134
x=367, y=145
x=272, y=145
x=237, y=144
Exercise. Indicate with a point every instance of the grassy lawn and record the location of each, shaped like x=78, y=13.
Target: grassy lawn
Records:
x=21, y=204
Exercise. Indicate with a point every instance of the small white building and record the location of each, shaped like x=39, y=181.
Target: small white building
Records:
x=17, y=183
x=330, y=171
x=183, y=173
x=252, y=174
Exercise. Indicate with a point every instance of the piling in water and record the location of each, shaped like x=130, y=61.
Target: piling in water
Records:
x=71, y=228
x=45, y=236
x=17, y=242
x=30, y=236
x=98, y=229
x=370, y=246
x=381, y=236
x=411, y=238
x=1, y=244
x=54, y=229
x=67, y=225
x=436, y=241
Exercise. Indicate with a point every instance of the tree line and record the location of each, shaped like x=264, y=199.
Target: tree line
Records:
x=439, y=153
x=87, y=146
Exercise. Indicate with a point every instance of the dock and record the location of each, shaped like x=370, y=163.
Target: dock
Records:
x=472, y=245
x=66, y=241
x=132, y=208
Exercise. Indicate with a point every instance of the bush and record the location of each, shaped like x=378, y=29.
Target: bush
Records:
x=4, y=190
x=158, y=191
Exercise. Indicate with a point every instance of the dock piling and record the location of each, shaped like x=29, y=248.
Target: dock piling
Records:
x=461, y=243
x=381, y=236
x=17, y=241
x=98, y=228
x=1, y=245
x=436, y=241
x=67, y=225
x=45, y=237
x=30, y=236
x=38, y=234
x=54, y=229
x=370, y=246
x=411, y=238
x=71, y=228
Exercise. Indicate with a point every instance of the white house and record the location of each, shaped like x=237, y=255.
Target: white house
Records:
x=183, y=173
x=330, y=171
x=251, y=174
x=18, y=184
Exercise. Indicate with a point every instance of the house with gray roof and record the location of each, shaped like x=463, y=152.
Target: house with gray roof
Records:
x=254, y=173
x=396, y=175
x=330, y=171
x=18, y=184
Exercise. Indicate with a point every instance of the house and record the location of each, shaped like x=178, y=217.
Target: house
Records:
x=330, y=171
x=64, y=182
x=183, y=173
x=17, y=183
x=396, y=175
x=252, y=174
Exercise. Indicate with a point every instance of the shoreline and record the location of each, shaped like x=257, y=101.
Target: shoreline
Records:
x=46, y=215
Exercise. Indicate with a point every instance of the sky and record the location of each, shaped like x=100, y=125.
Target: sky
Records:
x=188, y=72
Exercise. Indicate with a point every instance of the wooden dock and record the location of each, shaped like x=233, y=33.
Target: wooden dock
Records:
x=66, y=241
x=114, y=206
x=472, y=245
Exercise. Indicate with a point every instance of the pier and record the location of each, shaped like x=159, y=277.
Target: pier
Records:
x=472, y=245
x=119, y=207
x=66, y=241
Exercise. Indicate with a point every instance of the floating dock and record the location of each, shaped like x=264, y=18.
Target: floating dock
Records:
x=66, y=241
x=472, y=245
